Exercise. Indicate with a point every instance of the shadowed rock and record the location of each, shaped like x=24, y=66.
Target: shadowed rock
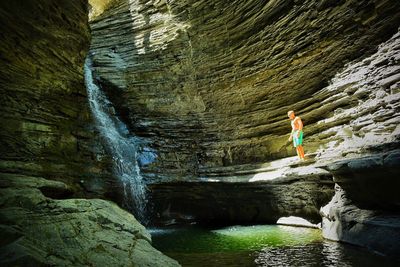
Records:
x=377, y=230
x=40, y=231
x=370, y=182
x=251, y=197
x=47, y=127
x=47, y=134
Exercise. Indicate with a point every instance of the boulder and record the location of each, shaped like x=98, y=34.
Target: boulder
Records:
x=38, y=230
x=377, y=230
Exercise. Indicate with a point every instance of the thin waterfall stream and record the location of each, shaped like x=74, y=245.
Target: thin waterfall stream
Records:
x=122, y=146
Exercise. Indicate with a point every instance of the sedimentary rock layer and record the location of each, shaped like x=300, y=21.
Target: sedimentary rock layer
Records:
x=363, y=154
x=209, y=83
x=371, y=182
x=259, y=197
x=376, y=229
x=46, y=125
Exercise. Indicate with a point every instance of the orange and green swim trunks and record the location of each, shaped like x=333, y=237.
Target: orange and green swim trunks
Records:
x=297, y=141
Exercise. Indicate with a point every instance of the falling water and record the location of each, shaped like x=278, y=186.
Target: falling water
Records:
x=122, y=146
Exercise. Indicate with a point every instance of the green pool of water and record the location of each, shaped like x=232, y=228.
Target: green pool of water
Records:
x=266, y=245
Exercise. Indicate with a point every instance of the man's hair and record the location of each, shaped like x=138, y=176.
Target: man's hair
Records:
x=290, y=112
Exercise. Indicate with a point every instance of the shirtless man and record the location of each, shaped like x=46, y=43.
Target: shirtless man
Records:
x=296, y=134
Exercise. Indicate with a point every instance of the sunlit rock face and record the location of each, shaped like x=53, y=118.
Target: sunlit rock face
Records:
x=209, y=83
x=366, y=205
x=46, y=125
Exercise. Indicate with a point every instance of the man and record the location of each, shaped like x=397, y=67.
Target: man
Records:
x=296, y=134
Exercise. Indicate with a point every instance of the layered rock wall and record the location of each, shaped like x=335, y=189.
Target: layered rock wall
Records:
x=209, y=83
x=363, y=156
x=47, y=127
x=47, y=134
x=231, y=203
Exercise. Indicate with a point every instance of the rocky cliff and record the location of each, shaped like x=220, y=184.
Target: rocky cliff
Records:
x=366, y=207
x=50, y=151
x=209, y=83
x=46, y=123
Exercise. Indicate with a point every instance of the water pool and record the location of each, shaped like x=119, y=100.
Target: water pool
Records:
x=263, y=245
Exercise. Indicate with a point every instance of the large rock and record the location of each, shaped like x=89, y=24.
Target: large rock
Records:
x=254, y=196
x=363, y=153
x=371, y=182
x=377, y=230
x=38, y=230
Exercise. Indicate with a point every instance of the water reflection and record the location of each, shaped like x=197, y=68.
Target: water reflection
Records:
x=333, y=254
x=325, y=253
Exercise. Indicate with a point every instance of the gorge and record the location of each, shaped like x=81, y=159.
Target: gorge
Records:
x=182, y=106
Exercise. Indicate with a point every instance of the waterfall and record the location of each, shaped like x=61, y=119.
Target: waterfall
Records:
x=122, y=146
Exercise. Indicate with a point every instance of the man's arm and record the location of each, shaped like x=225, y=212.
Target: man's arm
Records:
x=291, y=135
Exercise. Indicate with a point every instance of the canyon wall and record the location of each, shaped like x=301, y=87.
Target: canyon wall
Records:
x=365, y=157
x=51, y=157
x=47, y=127
x=208, y=84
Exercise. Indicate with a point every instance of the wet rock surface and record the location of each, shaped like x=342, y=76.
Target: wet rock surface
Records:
x=43, y=231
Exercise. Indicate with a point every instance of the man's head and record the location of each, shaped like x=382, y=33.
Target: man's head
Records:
x=290, y=114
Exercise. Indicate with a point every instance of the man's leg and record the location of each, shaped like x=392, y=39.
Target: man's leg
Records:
x=301, y=152
x=298, y=151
